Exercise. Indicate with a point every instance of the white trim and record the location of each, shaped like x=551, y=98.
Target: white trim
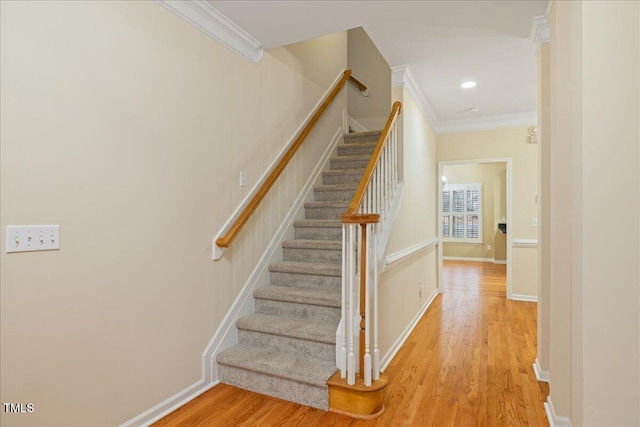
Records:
x=554, y=419
x=524, y=243
x=169, y=405
x=500, y=261
x=523, y=297
x=395, y=347
x=364, y=93
x=402, y=75
x=397, y=258
x=540, y=30
x=355, y=126
x=487, y=123
x=462, y=258
x=542, y=376
x=210, y=21
x=217, y=251
x=226, y=334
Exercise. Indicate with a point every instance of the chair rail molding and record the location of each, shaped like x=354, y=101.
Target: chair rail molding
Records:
x=210, y=21
x=397, y=258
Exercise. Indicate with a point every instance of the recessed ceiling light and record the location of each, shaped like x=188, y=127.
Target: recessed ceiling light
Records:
x=468, y=85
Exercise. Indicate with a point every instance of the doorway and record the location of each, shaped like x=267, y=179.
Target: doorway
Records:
x=473, y=227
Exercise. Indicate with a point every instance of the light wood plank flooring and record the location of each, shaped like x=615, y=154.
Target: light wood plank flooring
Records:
x=467, y=363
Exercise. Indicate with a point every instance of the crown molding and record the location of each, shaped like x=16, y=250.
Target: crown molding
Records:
x=487, y=123
x=210, y=21
x=402, y=75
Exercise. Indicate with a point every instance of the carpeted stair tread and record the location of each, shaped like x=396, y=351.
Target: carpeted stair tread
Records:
x=370, y=135
x=352, y=158
x=344, y=172
x=299, y=295
x=319, y=223
x=313, y=244
x=302, y=369
x=336, y=187
x=284, y=326
x=328, y=204
x=310, y=268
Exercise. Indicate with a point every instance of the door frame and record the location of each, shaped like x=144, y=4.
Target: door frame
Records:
x=509, y=195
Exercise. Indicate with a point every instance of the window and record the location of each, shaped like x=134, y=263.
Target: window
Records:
x=462, y=213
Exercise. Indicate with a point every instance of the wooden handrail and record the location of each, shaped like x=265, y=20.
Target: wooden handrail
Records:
x=361, y=87
x=368, y=173
x=226, y=240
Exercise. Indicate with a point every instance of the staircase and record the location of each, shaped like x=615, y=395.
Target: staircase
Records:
x=286, y=349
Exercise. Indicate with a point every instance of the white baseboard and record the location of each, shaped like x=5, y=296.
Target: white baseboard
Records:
x=226, y=335
x=522, y=297
x=171, y=404
x=461, y=258
x=542, y=376
x=395, y=347
x=554, y=419
x=500, y=261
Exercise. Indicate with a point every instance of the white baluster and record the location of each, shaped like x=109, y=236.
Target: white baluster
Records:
x=367, y=313
x=343, y=322
x=351, y=359
x=376, y=351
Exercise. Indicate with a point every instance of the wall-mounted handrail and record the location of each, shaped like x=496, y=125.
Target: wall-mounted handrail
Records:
x=359, y=86
x=232, y=232
x=357, y=339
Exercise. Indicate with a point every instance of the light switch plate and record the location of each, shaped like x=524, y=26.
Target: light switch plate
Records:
x=29, y=238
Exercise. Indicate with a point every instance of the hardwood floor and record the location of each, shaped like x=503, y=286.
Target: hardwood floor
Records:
x=467, y=363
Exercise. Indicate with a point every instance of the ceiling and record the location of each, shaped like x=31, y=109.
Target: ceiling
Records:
x=444, y=43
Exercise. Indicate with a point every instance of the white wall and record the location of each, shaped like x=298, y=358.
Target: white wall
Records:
x=595, y=134
x=128, y=127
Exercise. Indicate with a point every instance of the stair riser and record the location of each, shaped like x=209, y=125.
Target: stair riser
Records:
x=282, y=344
x=351, y=139
x=354, y=150
x=318, y=233
x=306, y=281
x=293, y=391
x=351, y=178
x=313, y=255
x=339, y=164
x=334, y=195
x=324, y=213
x=317, y=313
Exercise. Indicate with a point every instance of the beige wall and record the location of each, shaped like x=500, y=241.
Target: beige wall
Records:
x=400, y=299
x=128, y=127
x=369, y=67
x=499, y=210
x=484, y=173
x=595, y=305
x=510, y=143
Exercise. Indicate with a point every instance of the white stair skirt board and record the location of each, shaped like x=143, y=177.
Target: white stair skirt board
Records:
x=542, y=376
x=171, y=404
x=355, y=126
x=395, y=347
x=554, y=419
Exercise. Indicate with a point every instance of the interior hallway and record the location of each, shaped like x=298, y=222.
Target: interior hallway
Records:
x=467, y=362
